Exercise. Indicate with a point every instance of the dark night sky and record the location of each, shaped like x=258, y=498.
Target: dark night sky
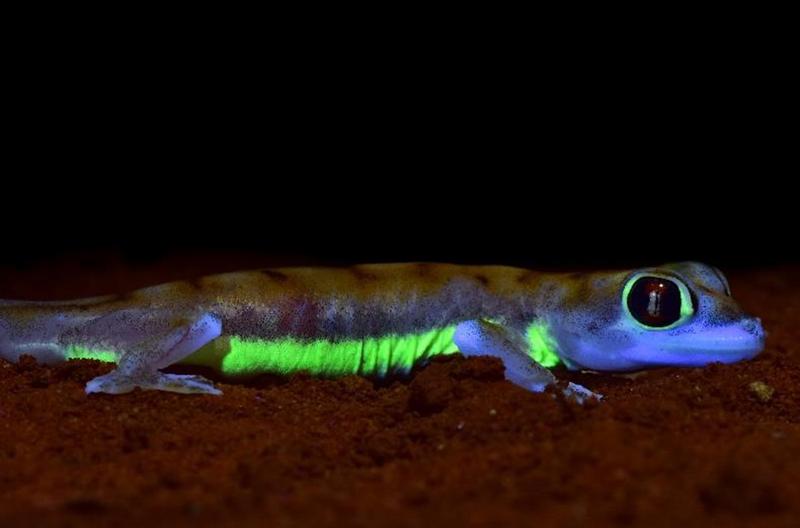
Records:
x=396, y=218
x=567, y=176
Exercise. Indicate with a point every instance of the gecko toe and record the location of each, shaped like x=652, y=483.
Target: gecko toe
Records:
x=580, y=393
x=186, y=384
x=110, y=384
x=115, y=383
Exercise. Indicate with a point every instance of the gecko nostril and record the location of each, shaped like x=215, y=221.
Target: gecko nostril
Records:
x=753, y=326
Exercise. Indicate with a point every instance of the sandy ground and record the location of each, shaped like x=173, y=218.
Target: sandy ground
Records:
x=453, y=446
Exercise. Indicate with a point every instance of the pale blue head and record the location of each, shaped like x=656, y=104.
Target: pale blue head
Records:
x=672, y=315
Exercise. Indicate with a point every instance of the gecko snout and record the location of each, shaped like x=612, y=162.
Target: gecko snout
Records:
x=753, y=326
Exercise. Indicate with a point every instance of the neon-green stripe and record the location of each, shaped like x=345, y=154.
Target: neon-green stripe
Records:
x=78, y=352
x=373, y=356
x=542, y=345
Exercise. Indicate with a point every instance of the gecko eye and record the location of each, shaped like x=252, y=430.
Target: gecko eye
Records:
x=657, y=302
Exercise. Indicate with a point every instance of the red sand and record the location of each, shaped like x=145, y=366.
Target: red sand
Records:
x=455, y=445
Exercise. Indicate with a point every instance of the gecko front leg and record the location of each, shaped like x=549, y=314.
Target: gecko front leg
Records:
x=483, y=338
x=167, y=342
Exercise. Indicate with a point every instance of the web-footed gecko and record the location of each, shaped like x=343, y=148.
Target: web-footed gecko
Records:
x=380, y=320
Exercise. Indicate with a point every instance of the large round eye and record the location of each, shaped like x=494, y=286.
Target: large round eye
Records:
x=657, y=302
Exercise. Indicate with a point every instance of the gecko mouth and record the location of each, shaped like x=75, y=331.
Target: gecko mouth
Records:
x=721, y=345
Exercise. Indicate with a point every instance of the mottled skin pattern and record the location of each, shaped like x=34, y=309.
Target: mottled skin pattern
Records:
x=367, y=300
x=491, y=305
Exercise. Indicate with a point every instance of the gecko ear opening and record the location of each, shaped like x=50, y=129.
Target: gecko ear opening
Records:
x=657, y=302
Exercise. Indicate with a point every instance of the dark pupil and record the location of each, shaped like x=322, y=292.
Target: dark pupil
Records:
x=655, y=302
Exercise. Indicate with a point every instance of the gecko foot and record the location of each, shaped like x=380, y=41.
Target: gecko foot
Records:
x=580, y=393
x=116, y=383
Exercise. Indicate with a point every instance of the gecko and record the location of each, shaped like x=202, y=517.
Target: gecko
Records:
x=382, y=320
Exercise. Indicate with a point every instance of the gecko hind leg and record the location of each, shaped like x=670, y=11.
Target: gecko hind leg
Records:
x=138, y=366
x=482, y=338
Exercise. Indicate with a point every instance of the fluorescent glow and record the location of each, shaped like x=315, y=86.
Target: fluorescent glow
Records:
x=373, y=356
x=78, y=352
x=542, y=345
x=687, y=309
x=235, y=356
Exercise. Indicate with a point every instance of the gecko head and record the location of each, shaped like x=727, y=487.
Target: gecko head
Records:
x=672, y=315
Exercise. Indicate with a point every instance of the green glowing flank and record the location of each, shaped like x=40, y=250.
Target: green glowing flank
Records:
x=77, y=352
x=543, y=346
x=373, y=356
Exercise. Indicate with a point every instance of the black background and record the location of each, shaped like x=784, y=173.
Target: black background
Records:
x=562, y=167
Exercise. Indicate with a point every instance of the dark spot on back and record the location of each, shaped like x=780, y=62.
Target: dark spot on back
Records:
x=581, y=292
x=195, y=283
x=277, y=276
x=483, y=279
x=362, y=275
x=423, y=269
x=125, y=297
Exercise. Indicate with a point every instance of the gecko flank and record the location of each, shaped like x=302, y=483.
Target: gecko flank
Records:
x=381, y=320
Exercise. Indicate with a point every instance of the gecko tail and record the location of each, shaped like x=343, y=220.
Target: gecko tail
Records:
x=14, y=344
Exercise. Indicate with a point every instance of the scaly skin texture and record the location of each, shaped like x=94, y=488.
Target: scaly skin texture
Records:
x=378, y=320
x=368, y=300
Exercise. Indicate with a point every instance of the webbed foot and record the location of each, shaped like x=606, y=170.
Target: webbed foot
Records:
x=118, y=383
x=580, y=393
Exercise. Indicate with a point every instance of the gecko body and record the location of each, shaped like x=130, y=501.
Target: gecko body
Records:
x=381, y=320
